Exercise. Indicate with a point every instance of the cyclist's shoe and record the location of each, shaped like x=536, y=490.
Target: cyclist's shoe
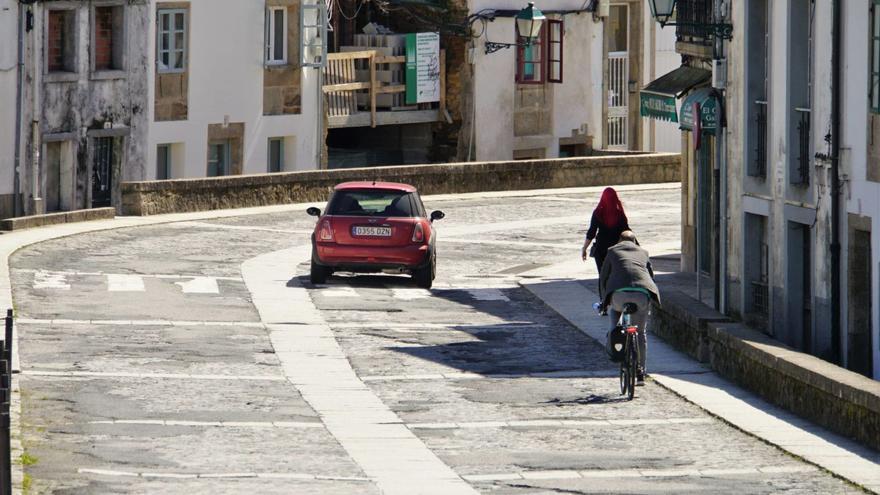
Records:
x=640, y=379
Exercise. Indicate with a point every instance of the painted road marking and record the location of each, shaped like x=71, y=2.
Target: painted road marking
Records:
x=50, y=280
x=478, y=376
x=151, y=376
x=241, y=227
x=342, y=292
x=410, y=294
x=556, y=423
x=290, y=476
x=415, y=325
x=143, y=323
x=125, y=283
x=638, y=473
x=221, y=424
x=487, y=294
x=200, y=285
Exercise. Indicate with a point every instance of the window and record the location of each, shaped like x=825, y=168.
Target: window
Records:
x=61, y=41
x=369, y=203
x=163, y=162
x=276, y=36
x=541, y=60
x=874, y=90
x=555, y=33
x=108, y=42
x=218, y=158
x=276, y=155
x=171, y=40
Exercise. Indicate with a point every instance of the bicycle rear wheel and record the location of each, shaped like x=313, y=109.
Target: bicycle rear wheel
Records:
x=632, y=365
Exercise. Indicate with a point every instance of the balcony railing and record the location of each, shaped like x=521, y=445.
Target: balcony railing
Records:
x=343, y=83
x=693, y=16
x=759, y=169
x=802, y=172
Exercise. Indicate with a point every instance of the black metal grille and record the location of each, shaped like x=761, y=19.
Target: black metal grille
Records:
x=760, y=166
x=760, y=298
x=692, y=17
x=802, y=175
x=102, y=173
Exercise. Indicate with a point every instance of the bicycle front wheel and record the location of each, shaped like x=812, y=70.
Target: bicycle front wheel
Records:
x=632, y=365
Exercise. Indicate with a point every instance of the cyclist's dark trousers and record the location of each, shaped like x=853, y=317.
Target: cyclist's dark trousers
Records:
x=639, y=318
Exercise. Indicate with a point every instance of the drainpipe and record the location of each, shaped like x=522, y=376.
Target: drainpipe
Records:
x=16, y=188
x=720, y=186
x=835, y=183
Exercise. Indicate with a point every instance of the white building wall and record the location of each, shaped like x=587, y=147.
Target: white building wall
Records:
x=659, y=58
x=226, y=84
x=8, y=78
x=863, y=196
x=577, y=101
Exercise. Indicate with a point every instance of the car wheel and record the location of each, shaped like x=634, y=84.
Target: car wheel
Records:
x=318, y=274
x=424, y=276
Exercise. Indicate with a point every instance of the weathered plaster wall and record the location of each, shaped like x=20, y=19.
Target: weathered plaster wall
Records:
x=78, y=104
x=862, y=196
x=574, y=104
x=8, y=77
x=230, y=71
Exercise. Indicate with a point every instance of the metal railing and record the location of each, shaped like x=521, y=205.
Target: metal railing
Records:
x=693, y=16
x=5, y=399
x=760, y=166
x=802, y=171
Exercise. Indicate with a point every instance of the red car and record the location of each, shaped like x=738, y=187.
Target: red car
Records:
x=373, y=227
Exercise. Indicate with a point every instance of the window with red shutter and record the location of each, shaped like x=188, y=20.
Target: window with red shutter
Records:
x=530, y=64
x=555, y=34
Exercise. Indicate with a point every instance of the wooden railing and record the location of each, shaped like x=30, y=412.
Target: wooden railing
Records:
x=341, y=83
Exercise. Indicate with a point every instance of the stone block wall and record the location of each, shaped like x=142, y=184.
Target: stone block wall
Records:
x=156, y=197
x=828, y=395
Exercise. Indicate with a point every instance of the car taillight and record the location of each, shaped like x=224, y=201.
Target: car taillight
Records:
x=326, y=231
x=418, y=233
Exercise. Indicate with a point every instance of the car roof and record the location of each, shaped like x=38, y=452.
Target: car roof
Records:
x=389, y=186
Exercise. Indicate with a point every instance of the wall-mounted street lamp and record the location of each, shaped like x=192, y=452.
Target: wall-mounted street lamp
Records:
x=663, y=10
x=528, y=26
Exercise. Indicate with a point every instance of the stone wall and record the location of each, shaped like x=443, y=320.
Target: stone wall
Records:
x=835, y=398
x=156, y=197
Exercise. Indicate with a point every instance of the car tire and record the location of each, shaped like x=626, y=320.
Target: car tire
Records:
x=424, y=276
x=318, y=274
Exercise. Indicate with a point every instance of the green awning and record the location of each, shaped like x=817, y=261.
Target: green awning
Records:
x=657, y=106
x=657, y=99
x=708, y=110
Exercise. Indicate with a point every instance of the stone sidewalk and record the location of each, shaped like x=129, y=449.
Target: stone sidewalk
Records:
x=698, y=384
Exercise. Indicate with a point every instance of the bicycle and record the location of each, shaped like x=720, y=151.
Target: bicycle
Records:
x=629, y=366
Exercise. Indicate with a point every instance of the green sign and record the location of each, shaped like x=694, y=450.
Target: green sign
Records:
x=657, y=106
x=708, y=110
x=422, y=68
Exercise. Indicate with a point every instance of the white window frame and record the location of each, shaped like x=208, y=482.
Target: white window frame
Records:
x=270, y=35
x=172, y=46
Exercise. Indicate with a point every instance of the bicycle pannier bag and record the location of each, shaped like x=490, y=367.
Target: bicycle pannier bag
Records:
x=614, y=343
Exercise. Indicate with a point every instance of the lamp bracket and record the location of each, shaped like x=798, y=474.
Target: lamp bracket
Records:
x=492, y=46
x=719, y=30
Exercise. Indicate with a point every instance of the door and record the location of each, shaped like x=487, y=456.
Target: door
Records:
x=102, y=172
x=53, y=159
x=617, y=78
x=218, y=158
x=859, y=345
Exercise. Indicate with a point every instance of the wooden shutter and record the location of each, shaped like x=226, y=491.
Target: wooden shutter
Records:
x=555, y=34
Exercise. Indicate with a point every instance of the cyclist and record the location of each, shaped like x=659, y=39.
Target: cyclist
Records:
x=627, y=277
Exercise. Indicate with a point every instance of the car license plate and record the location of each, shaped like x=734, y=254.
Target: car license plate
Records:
x=370, y=231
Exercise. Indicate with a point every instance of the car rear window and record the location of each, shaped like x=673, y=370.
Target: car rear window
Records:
x=371, y=203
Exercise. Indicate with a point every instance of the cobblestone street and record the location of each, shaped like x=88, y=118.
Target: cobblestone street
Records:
x=173, y=359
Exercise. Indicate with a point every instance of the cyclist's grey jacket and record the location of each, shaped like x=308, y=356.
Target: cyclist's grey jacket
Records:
x=627, y=265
